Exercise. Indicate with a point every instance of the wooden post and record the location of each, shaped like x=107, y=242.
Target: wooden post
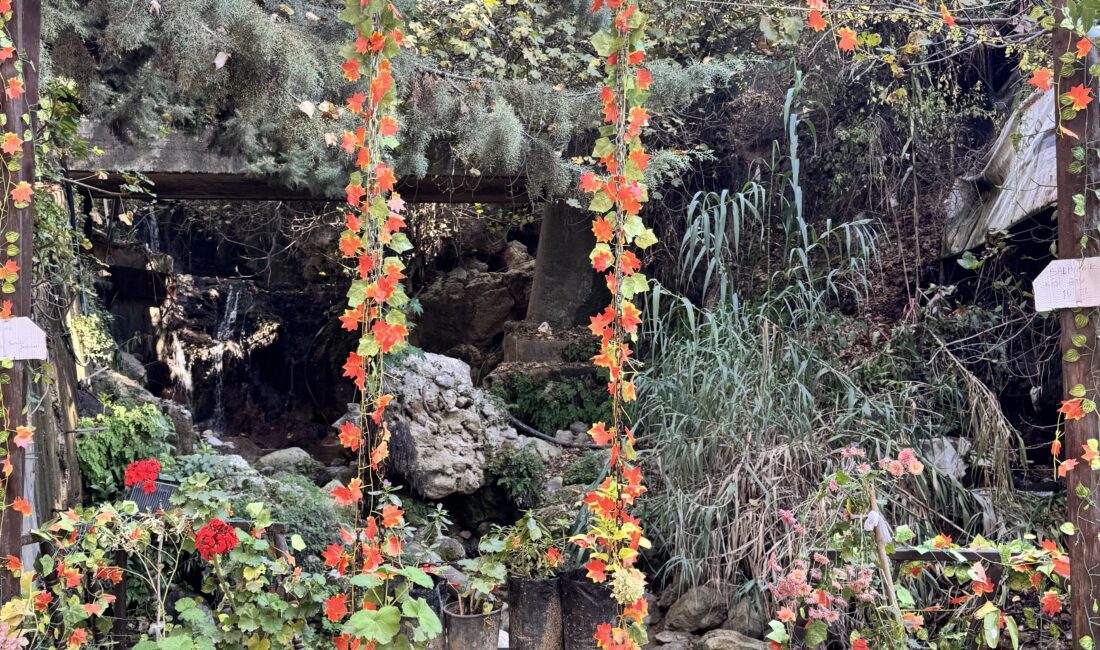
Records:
x=25, y=32
x=1082, y=482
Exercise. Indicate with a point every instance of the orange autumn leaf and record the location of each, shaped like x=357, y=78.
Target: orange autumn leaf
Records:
x=336, y=608
x=22, y=506
x=817, y=21
x=947, y=17
x=1066, y=467
x=1052, y=605
x=848, y=40
x=15, y=88
x=1080, y=95
x=1084, y=46
x=1040, y=78
x=1072, y=408
x=596, y=570
x=346, y=496
x=388, y=126
x=12, y=144
x=23, y=436
x=22, y=193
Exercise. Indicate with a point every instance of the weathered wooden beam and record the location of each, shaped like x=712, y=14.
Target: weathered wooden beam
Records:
x=192, y=167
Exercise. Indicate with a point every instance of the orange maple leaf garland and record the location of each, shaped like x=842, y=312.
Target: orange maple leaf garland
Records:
x=371, y=244
x=615, y=536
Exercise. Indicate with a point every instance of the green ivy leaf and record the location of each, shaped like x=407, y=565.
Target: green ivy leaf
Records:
x=1077, y=391
x=816, y=633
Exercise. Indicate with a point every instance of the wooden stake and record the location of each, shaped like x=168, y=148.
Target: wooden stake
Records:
x=25, y=32
x=1082, y=482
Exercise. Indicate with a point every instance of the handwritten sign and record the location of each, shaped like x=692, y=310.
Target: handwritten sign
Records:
x=21, y=339
x=1068, y=284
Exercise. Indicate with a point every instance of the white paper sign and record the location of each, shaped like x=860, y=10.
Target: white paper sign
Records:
x=1068, y=284
x=21, y=339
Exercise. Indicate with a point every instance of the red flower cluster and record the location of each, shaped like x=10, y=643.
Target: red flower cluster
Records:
x=215, y=538
x=143, y=473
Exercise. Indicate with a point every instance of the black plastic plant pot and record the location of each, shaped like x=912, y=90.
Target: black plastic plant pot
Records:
x=534, y=614
x=472, y=631
x=585, y=605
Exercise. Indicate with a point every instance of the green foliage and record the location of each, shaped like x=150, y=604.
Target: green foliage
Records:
x=744, y=398
x=114, y=439
x=521, y=473
x=524, y=548
x=92, y=336
x=553, y=404
x=586, y=469
x=580, y=351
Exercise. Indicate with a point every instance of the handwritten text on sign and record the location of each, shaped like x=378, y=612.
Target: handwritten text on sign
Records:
x=21, y=339
x=1068, y=284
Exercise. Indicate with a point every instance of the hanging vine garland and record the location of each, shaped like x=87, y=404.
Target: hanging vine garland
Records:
x=371, y=553
x=615, y=536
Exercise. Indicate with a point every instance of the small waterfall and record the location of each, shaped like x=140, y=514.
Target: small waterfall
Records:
x=224, y=333
x=181, y=368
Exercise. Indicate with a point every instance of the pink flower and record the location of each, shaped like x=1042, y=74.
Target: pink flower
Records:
x=896, y=468
x=863, y=468
x=787, y=517
x=907, y=456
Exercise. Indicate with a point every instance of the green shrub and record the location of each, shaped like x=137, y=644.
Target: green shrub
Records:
x=298, y=502
x=586, y=469
x=553, y=404
x=114, y=439
x=521, y=473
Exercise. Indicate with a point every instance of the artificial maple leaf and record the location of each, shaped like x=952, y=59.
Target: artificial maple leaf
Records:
x=980, y=582
x=22, y=506
x=346, y=496
x=385, y=178
x=1072, y=408
x=336, y=608
x=640, y=158
x=1056, y=448
x=947, y=17
x=23, y=436
x=1051, y=603
x=848, y=40
x=396, y=203
x=602, y=321
x=1090, y=455
x=22, y=193
x=602, y=229
x=388, y=126
x=349, y=245
x=1084, y=46
x=816, y=21
x=1066, y=467
x=380, y=404
x=355, y=102
x=391, y=516
x=589, y=183
x=643, y=79
x=6, y=53
x=630, y=318
x=600, y=434
x=15, y=88
x=860, y=644
x=1061, y=565
x=355, y=193
x=1041, y=78
x=596, y=569
x=1081, y=97
x=601, y=260
x=14, y=564
x=351, y=70
x=351, y=436
x=12, y=144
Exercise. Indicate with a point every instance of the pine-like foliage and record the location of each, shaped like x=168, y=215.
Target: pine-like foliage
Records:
x=488, y=88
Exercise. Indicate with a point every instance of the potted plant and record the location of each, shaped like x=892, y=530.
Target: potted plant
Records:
x=531, y=556
x=473, y=617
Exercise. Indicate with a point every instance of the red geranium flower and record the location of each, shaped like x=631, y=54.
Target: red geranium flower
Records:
x=215, y=538
x=143, y=473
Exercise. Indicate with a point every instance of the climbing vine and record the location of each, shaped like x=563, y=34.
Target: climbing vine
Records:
x=614, y=536
x=378, y=594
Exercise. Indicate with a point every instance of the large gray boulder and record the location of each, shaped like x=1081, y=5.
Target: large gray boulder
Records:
x=700, y=608
x=729, y=640
x=292, y=460
x=444, y=428
x=120, y=389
